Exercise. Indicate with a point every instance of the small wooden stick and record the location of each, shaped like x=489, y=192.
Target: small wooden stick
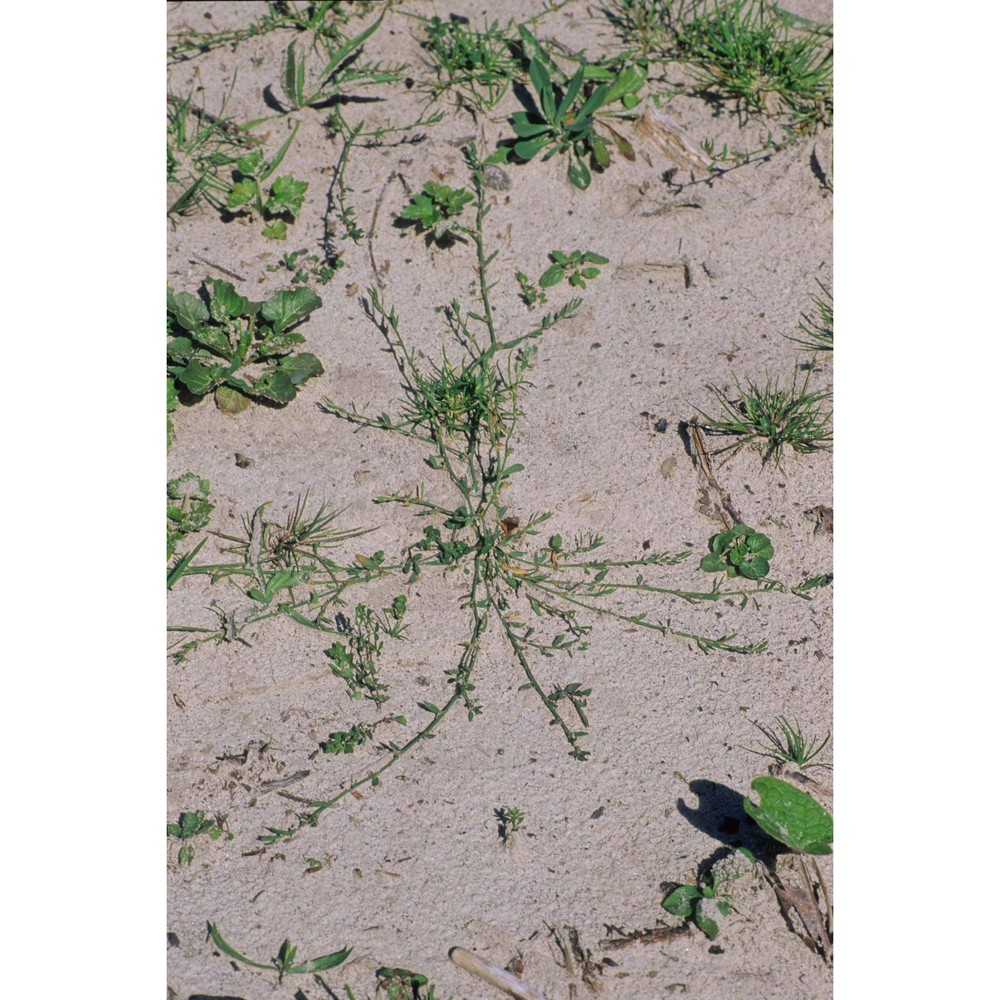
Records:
x=494, y=975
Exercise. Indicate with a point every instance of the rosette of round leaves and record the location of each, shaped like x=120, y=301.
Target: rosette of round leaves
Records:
x=740, y=550
x=242, y=351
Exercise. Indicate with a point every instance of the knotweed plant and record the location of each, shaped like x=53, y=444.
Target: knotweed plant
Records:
x=540, y=595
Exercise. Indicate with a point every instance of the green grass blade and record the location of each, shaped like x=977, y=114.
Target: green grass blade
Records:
x=178, y=571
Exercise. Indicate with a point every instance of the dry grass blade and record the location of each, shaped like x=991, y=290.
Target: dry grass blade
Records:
x=667, y=136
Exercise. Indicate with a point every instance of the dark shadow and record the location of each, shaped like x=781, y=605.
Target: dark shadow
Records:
x=818, y=171
x=720, y=814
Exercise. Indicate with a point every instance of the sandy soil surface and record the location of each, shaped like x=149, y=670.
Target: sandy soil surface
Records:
x=705, y=284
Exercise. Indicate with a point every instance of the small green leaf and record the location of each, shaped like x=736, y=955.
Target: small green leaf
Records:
x=328, y=961
x=277, y=230
x=790, y=816
x=286, y=195
x=527, y=148
x=242, y=193
x=552, y=276
x=681, y=901
x=713, y=563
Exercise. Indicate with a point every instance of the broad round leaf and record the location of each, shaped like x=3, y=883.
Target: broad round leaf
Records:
x=230, y=401
x=791, y=816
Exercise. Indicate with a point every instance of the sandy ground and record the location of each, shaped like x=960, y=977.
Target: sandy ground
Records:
x=691, y=296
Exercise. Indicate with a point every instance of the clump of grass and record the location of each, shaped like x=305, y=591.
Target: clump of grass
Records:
x=478, y=64
x=649, y=25
x=744, y=50
x=818, y=327
x=199, y=145
x=773, y=416
x=791, y=746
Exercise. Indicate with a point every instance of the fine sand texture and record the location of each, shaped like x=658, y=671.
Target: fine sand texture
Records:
x=707, y=280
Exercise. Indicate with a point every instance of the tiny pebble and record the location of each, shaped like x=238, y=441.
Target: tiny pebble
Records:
x=496, y=178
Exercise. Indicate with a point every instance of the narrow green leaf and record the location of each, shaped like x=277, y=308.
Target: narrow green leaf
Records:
x=227, y=949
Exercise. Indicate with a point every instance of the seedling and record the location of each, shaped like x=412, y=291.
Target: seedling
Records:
x=708, y=902
x=199, y=145
x=359, y=734
x=325, y=19
x=791, y=747
x=773, y=416
x=284, y=962
x=478, y=64
x=561, y=125
x=304, y=268
x=402, y=984
x=188, y=509
x=510, y=819
x=194, y=824
x=284, y=197
x=340, y=71
x=213, y=338
x=356, y=661
x=744, y=50
x=530, y=293
x=574, y=266
x=818, y=329
x=650, y=25
x=434, y=208
x=740, y=550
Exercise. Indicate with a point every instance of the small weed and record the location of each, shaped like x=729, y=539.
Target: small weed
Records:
x=778, y=417
x=740, y=550
x=349, y=740
x=341, y=70
x=324, y=19
x=199, y=145
x=478, y=64
x=649, y=25
x=188, y=509
x=402, y=984
x=818, y=329
x=560, y=124
x=304, y=269
x=707, y=902
x=356, y=661
x=194, y=824
x=797, y=820
x=791, y=746
x=284, y=962
x=433, y=209
x=283, y=198
x=530, y=293
x=743, y=49
x=510, y=820
x=574, y=266
x=215, y=341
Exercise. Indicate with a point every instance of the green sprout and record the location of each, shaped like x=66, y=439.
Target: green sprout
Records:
x=739, y=551
x=284, y=962
x=708, y=902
